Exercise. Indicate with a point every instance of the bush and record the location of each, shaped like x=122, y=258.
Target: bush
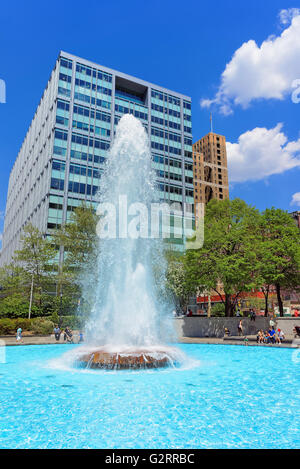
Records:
x=54, y=317
x=74, y=322
x=218, y=310
x=7, y=326
x=37, y=325
x=42, y=326
x=25, y=324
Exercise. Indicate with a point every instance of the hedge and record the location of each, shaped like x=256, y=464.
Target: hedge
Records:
x=41, y=325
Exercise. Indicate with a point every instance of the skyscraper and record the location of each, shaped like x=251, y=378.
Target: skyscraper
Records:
x=210, y=168
x=61, y=159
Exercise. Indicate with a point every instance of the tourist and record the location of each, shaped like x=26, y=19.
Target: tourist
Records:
x=266, y=337
x=57, y=332
x=19, y=334
x=226, y=332
x=271, y=336
x=80, y=337
x=296, y=313
x=260, y=337
x=279, y=336
x=252, y=314
x=272, y=323
x=238, y=312
x=68, y=335
x=190, y=312
x=240, y=328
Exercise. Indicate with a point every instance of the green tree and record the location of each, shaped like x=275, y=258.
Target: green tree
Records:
x=227, y=263
x=36, y=258
x=78, y=241
x=279, y=253
x=175, y=279
x=14, y=291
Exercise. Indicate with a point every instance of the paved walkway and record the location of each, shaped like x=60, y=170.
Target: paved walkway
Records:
x=35, y=340
x=289, y=342
x=50, y=339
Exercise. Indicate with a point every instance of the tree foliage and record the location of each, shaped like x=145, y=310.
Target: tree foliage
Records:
x=279, y=252
x=227, y=263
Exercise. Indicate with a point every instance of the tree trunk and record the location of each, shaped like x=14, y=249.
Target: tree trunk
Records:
x=266, y=295
x=31, y=297
x=228, y=308
x=209, y=306
x=280, y=304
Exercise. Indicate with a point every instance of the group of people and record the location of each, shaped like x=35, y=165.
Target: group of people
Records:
x=67, y=332
x=68, y=335
x=271, y=336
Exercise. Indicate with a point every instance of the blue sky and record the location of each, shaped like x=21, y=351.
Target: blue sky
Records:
x=181, y=45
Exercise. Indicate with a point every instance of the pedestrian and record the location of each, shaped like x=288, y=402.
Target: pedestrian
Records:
x=240, y=328
x=19, y=334
x=80, y=337
x=252, y=314
x=272, y=322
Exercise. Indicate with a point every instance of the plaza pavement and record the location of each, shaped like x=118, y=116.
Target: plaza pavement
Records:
x=232, y=340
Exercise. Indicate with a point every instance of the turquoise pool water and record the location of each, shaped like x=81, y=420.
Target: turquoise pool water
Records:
x=234, y=397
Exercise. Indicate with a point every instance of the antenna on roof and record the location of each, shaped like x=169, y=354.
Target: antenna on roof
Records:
x=211, y=124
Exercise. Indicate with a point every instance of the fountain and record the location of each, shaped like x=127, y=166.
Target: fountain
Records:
x=129, y=323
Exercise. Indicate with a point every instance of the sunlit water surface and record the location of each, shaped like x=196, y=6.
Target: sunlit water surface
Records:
x=226, y=397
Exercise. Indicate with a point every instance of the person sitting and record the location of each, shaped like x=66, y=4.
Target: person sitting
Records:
x=57, y=332
x=226, y=332
x=189, y=312
x=260, y=337
x=68, y=336
x=271, y=336
x=280, y=336
x=266, y=337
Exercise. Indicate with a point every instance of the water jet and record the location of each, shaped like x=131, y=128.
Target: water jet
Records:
x=131, y=305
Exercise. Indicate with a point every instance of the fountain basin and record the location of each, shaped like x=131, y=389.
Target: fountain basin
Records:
x=128, y=358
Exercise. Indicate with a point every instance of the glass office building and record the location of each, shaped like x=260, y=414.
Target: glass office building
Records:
x=63, y=154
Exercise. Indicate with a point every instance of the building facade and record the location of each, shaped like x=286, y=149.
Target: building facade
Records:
x=296, y=217
x=210, y=169
x=62, y=156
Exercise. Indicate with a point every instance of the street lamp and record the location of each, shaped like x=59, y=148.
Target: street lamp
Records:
x=60, y=309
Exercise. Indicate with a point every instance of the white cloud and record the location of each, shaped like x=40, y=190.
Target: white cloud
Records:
x=296, y=199
x=261, y=72
x=260, y=153
x=285, y=16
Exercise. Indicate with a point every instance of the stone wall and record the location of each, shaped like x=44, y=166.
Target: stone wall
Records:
x=214, y=327
x=287, y=324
